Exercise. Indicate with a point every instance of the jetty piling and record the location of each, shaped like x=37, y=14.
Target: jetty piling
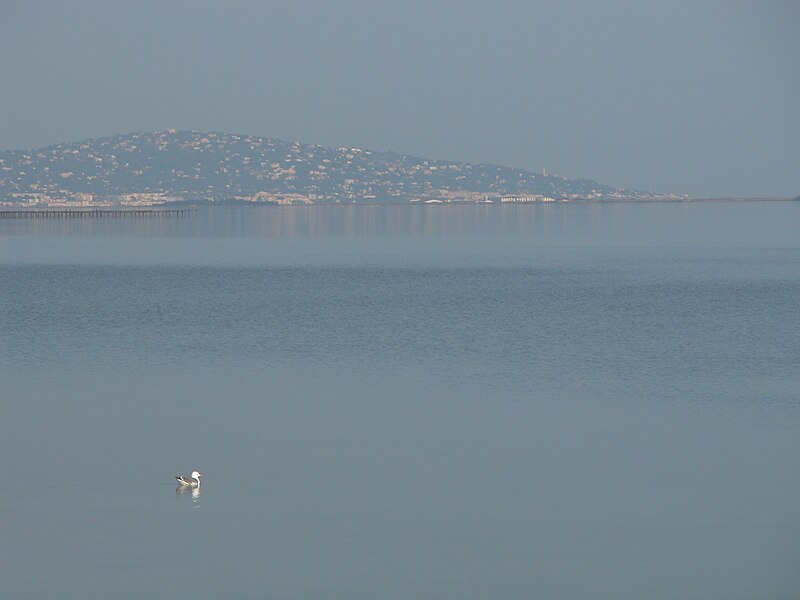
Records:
x=95, y=213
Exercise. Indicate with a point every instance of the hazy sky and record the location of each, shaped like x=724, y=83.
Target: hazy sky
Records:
x=689, y=97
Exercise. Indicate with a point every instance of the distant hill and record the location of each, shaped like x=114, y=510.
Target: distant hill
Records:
x=164, y=166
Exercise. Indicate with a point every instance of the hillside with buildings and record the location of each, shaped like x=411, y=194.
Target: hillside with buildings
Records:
x=145, y=169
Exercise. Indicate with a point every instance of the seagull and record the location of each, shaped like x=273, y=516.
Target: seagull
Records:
x=193, y=481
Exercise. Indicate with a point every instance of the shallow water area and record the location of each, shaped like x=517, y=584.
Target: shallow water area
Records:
x=569, y=401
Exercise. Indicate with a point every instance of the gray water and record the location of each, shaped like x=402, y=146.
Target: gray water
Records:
x=598, y=401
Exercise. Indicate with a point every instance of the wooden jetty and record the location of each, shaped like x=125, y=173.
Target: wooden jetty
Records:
x=96, y=213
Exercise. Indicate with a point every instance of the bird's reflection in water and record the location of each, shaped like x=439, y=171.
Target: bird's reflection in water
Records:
x=195, y=492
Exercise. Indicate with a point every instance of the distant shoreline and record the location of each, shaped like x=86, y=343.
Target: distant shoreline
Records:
x=201, y=203
x=183, y=205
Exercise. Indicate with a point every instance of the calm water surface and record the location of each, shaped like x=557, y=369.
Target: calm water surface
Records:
x=403, y=402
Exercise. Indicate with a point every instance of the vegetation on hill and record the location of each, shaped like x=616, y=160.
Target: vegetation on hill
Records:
x=194, y=165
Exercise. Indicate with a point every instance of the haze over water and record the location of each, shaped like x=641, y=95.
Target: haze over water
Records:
x=568, y=401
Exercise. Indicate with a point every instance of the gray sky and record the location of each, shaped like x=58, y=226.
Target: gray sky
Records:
x=688, y=97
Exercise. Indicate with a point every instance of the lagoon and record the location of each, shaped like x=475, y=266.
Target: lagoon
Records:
x=559, y=401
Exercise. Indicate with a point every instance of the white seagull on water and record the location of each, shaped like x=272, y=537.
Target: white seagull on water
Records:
x=193, y=481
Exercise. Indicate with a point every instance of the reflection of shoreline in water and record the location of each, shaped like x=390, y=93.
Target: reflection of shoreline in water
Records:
x=318, y=221
x=182, y=490
x=358, y=220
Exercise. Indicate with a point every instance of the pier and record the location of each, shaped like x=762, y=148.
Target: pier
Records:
x=110, y=213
